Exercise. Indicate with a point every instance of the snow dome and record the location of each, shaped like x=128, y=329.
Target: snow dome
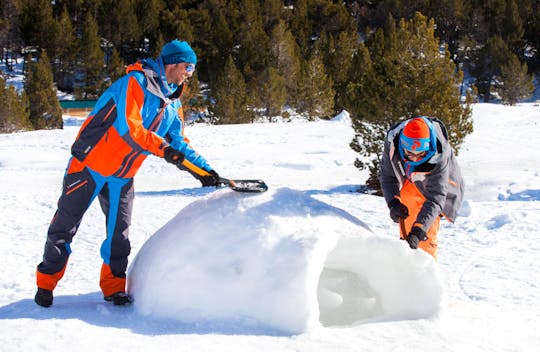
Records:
x=282, y=260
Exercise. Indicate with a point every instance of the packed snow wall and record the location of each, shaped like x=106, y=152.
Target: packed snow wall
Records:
x=282, y=260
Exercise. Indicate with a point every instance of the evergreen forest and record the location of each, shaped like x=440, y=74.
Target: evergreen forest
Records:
x=381, y=60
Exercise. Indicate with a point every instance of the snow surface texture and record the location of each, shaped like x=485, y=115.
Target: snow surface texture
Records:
x=276, y=259
x=487, y=261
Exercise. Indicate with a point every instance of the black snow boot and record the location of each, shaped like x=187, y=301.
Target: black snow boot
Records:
x=119, y=298
x=44, y=297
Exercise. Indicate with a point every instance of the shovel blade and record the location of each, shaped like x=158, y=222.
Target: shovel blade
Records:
x=247, y=186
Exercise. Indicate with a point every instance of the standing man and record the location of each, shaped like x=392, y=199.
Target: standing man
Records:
x=138, y=115
x=420, y=180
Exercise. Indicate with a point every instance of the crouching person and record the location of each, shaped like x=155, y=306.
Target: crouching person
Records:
x=420, y=180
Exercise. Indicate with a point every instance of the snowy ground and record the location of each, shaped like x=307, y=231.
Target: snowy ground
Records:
x=488, y=260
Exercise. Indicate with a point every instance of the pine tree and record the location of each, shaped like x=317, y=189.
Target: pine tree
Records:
x=301, y=26
x=272, y=13
x=476, y=26
x=179, y=23
x=115, y=67
x=187, y=20
x=63, y=44
x=10, y=35
x=91, y=59
x=221, y=47
x=230, y=97
x=37, y=24
x=253, y=54
x=316, y=87
x=193, y=101
x=14, y=114
x=449, y=15
x=514, y=82
x=530, y=13
x=148, y=17
x=403, y=73
x=362, y=75
x=45, y=111
x=512, y=27
x=200, y=22
x=495, y=13
x=223, y=37
x=339, y=50
x=486, y=64
x=330, y=17
x=366, y=101
x=160, y=42
x=272, y=92
x=233, y=14
x=119, y=24
x=286, y=57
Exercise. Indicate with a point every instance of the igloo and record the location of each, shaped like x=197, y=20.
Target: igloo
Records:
x=282, y=260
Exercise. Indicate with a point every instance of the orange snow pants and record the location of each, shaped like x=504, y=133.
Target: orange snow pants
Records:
x=411, y=197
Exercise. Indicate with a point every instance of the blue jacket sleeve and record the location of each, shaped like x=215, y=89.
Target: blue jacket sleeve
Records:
x=193, y=161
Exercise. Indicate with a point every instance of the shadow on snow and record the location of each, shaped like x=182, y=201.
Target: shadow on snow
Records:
x=92, y=309
x=523, y=196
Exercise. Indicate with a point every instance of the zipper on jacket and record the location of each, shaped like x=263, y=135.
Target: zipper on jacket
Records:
x=157, y=120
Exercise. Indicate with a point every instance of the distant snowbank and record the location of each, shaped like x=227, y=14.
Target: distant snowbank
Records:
x=343, y=116
x=281, y=260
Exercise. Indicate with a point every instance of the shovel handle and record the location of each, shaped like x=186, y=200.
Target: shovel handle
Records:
x=226, y=182
x=402, y=228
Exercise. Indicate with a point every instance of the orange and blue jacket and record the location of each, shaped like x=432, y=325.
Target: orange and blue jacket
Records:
x=138, y=115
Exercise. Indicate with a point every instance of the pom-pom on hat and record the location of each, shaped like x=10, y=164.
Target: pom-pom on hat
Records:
x=415, y=136
x=178, y=51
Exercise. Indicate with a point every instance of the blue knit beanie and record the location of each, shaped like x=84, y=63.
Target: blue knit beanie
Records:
x=178, y=51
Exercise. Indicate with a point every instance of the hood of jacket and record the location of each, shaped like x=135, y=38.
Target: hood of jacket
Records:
x=155, y=71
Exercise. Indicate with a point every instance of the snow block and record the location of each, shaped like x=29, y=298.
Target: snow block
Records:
x=282, y=260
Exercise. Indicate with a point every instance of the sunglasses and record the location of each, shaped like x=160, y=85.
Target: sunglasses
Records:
x=190, y=68
x=409, y=154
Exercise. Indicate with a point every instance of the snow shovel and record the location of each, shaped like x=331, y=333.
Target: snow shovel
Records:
x=245, y=186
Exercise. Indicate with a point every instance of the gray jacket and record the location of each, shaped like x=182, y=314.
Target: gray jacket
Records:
x=439, y=179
